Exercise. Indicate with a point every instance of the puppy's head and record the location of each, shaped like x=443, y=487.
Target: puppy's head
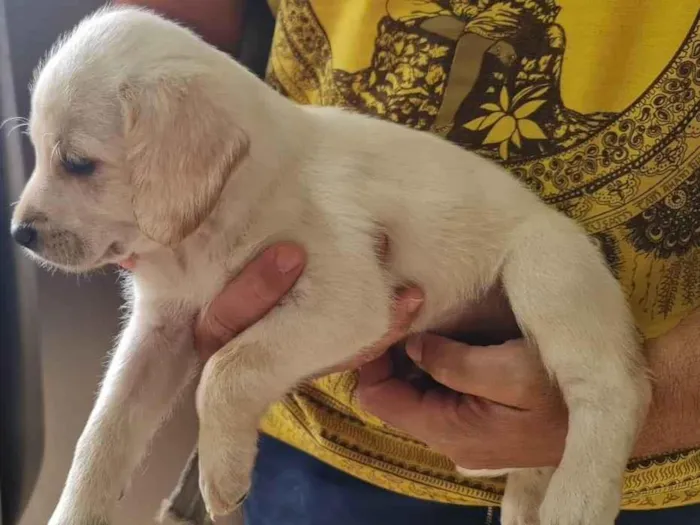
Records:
x=133, y=138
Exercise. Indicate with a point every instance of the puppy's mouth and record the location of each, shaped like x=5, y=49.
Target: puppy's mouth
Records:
x=118, y=254
x=129, y=263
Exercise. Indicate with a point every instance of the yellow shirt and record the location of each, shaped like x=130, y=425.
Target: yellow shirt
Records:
x=594, y=104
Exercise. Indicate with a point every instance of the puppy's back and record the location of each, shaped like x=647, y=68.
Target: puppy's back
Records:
x=450, y=214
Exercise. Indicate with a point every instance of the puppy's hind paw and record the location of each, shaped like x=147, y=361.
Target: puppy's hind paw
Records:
x=525, y=491
x=569, y=517
x=520, y=520
x=521, y=516
x=573, y=506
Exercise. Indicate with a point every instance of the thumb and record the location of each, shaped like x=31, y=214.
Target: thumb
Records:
x=508, y=374
x=406, y=307
x=249, y=296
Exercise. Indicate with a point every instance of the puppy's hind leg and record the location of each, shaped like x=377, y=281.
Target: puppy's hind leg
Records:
x=565, y=298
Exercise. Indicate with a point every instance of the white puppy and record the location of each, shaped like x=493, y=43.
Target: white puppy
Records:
x=155, y=149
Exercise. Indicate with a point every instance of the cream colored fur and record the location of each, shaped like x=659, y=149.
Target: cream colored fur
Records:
x=200, y=166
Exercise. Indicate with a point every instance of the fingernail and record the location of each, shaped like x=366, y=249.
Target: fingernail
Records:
x=414, y=348
x=288, y=258
x=412, y=305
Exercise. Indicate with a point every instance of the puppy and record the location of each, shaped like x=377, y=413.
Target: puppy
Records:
x=157, y=152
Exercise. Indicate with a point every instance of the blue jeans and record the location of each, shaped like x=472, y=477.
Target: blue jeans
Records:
x=292, y=488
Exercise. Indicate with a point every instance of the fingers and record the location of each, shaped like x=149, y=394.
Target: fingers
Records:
x=406, y=308
x=246, y=299
x=474, y=431
x=509, y=374
x=423, y=415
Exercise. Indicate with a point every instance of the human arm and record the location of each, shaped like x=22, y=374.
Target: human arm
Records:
x=674, y=360
x=216, y=21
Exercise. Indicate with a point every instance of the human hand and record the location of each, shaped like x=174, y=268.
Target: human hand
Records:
x=247, y=298
x=261, y=285
x=499, y=408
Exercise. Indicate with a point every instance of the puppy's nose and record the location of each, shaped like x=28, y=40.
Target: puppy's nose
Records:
x=25, y=235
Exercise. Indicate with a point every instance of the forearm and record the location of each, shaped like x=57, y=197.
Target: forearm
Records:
x=673, y=423
x=216, y=21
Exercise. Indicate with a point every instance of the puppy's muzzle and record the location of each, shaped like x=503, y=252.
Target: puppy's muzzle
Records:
x=55, y=245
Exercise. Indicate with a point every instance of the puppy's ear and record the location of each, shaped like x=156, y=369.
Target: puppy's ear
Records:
x=180, y=149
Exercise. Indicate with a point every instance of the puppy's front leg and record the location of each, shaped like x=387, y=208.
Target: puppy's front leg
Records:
x=151, y=364
x=257, y=368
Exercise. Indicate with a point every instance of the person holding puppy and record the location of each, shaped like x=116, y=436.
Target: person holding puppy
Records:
x=595, y=109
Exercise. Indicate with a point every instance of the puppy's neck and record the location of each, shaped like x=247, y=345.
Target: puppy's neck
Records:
x=280, y=135
x=277, y=129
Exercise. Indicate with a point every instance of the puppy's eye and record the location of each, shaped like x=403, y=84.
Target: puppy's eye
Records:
x=78, y=165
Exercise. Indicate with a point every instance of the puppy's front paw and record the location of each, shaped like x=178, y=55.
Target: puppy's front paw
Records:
x=225, y=467
x=67, y=519
x=222, y=494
